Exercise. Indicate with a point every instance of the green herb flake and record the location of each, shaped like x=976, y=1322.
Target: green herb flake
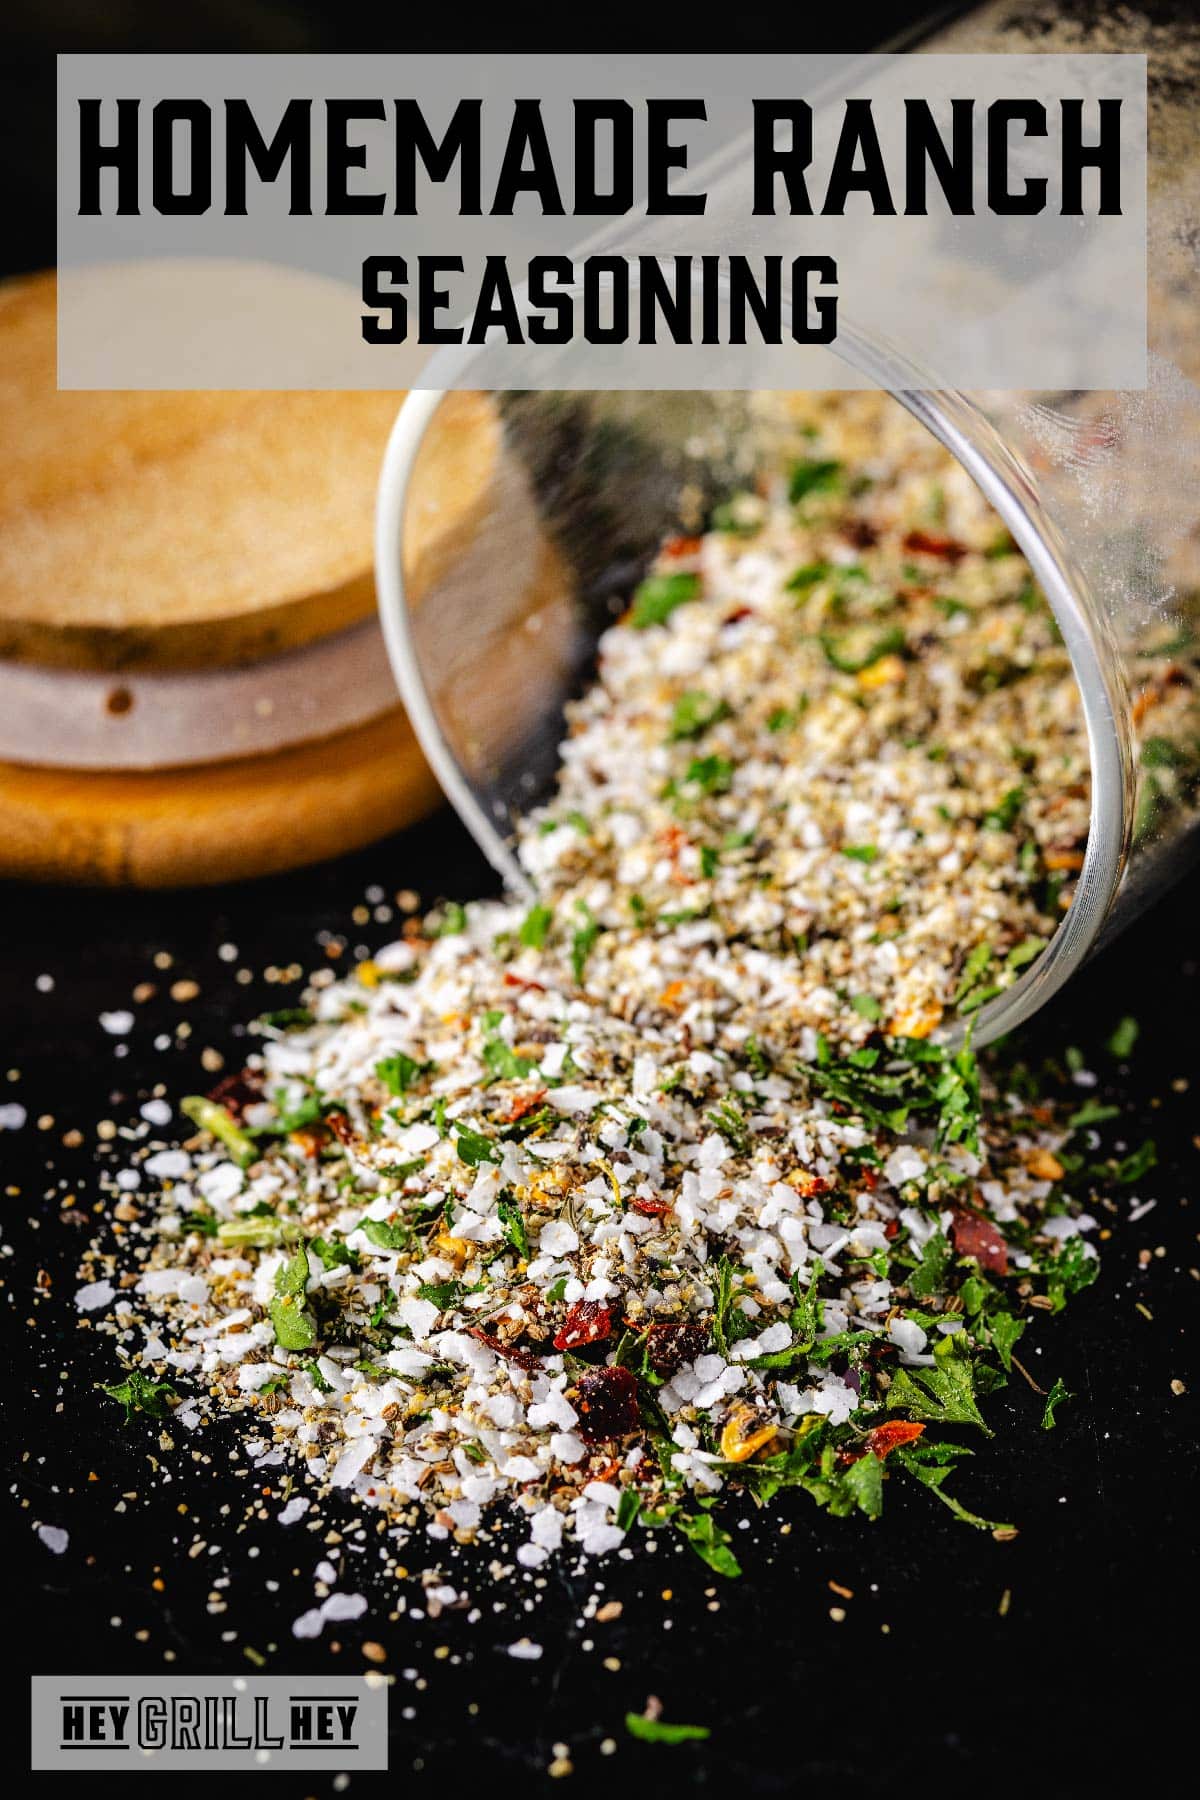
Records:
x=1054, y=1399
x=694, y=713
x=295, y=1326
x=728, y=1118
x=288, y=1018
x=213, y=1118
x=384, y=1235
x=453, y=920
x=535, y=925
x=1004, y=815
x=1124, y=1037
x=500, y=1059
x=712, y=1544
x=1068, y=1271
x=813, y=475
x=808, y=576
x=474, y=1148
x=864, y=1480
x=852, y=652
x=399, y=1072
x=929, y=1276
x=658, y=596
x=583, y=940
x=312, y=1370
x=509, y=1214
x=658, y=1731
x=138, y=1393
x=930, y=1464
x=943, y=1395
x=711, y=774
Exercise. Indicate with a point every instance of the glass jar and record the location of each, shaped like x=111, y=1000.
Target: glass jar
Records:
x=561, y=498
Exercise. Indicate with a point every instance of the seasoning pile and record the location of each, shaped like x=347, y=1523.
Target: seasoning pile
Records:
x=661, y=1185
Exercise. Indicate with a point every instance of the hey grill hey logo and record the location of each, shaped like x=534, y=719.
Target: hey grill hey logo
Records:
x=223, y=1722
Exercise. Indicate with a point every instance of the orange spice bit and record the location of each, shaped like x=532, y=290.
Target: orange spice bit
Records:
x=1044, y=1165
x=739, y=1441
x=519, y=981
x=893, y=1435
x=523, y=1104
x=807, y=1184
x=309, y=1138
x=1063, y=861
x=452, y=1249
x=671, y=995
x=886, y=671
x=674, y=840
x=369, y=974
x=676, y=547
x=916, y=1019
x=1152, y=694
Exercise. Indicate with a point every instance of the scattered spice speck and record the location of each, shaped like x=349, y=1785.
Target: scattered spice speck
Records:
x=671, y=1186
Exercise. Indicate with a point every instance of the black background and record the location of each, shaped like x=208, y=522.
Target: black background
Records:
x=1084, y=1677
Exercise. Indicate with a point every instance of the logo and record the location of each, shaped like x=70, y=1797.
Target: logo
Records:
x=207, y=1722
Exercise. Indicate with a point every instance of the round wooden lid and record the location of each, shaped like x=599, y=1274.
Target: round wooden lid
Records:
x=224, y=822
x=175, y=538
x=166, y=530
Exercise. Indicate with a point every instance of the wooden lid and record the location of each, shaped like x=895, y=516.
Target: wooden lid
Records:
x=144, y=534
x=165, y=530
x=179, y=827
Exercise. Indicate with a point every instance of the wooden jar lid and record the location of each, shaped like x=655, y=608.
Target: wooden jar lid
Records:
x=154, y=530
x=150, y=536
x=178, y=827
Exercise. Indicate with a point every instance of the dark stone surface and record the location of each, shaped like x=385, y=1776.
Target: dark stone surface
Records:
x=1085, y=1681
x=1079, y=1676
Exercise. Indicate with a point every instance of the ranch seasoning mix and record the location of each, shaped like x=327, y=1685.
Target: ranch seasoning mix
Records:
x=581, y=1213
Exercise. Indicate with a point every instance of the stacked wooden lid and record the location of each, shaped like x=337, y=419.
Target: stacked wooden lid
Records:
x=192, y=682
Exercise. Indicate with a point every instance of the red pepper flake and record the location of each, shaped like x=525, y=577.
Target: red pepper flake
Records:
x=859, y=533
x=340, y=1126
x=883, y=1439
x=236, y=1092
x=524, y=1103
x=310, y=1138
x=931, y=543
x=519, y=981
x=892, y=1228
x=682, y=546
x=673, y=1343
x=807, y=1185
x=524, y=1359
x=737, y=615
x=650, y=1209
x=587, y=1322
x=978, y=1237
x=608, y=1405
